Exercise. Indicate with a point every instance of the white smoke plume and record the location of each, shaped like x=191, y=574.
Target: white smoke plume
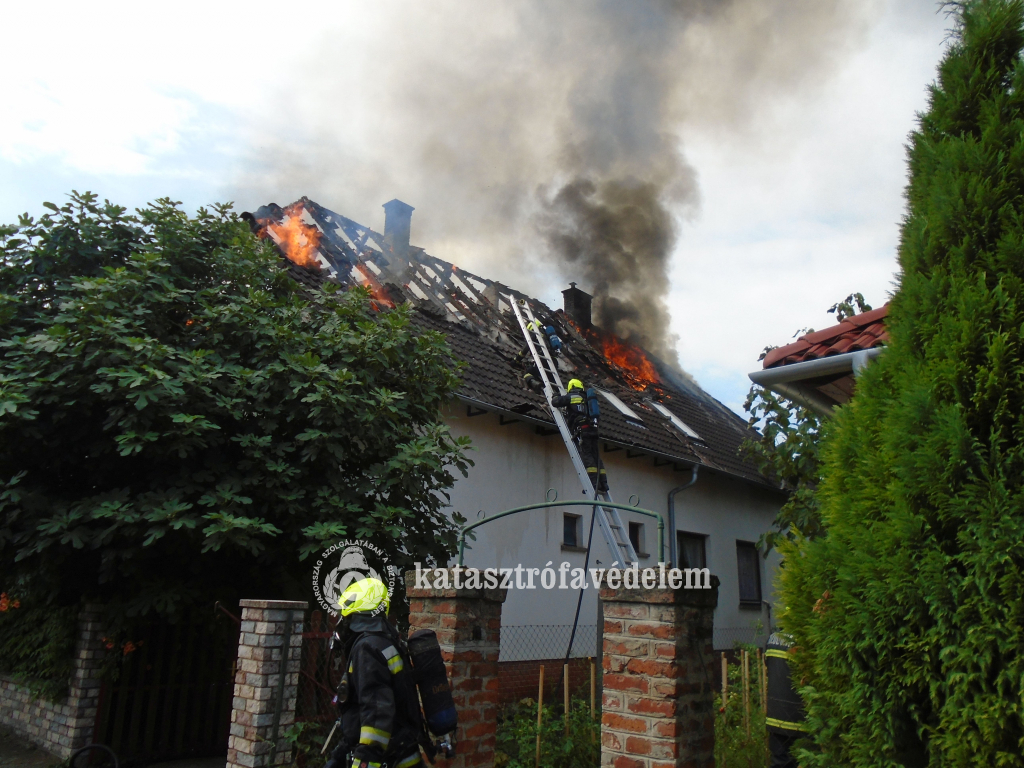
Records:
x=542, y=142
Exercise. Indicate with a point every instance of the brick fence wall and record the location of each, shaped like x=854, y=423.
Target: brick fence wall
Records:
x=64, y=726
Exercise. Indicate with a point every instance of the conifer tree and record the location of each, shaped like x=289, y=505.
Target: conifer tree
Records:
x=909, y=613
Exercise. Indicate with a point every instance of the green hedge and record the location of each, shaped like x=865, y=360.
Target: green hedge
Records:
x=909, y=613
x=517, y=736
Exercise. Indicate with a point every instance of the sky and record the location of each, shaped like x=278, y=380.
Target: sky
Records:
x=758, y=144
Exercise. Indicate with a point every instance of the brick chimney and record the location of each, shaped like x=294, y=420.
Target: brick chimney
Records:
x=397, y=226
x=577, y=305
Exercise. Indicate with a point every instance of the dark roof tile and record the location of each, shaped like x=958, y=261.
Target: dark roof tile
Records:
x=481, y=331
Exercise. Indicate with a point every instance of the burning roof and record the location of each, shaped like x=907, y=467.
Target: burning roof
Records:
x=476, y=314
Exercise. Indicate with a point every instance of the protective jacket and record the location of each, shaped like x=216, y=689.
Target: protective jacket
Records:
x=785, y=710
x=577, y=415
x=381, y=723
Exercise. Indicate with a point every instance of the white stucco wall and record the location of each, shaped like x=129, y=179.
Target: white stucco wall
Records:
x=514, y=466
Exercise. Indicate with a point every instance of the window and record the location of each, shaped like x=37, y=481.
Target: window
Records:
x=571, y=531
x=748, y=563
x=691, y=550
x=678, y=423
x=622, y=408
x=636, y=538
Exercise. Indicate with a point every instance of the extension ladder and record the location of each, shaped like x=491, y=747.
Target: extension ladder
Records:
x=607, y=517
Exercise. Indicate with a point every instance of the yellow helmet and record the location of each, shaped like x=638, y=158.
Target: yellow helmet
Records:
x=363, y=596
x=575, y=384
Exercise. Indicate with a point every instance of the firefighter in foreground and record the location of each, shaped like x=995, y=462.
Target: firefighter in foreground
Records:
x=381, y=723
x=784, y=717
x=582, y=413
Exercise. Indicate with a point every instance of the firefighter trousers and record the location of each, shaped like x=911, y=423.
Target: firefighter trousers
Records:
x=590, y=452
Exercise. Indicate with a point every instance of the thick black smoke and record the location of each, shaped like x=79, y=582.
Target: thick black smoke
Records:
x=616, y=237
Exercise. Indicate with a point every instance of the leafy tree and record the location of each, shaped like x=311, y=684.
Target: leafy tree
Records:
x=909, y=612
x=789, y=449
x=180, y=421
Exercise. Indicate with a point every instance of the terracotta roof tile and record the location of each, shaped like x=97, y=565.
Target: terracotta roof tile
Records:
x=863, y=331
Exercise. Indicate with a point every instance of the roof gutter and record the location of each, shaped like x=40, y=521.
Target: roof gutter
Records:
x=785, y=379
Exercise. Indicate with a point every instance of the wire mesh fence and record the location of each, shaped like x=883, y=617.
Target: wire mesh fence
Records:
x=726, y=638
x=525, y=642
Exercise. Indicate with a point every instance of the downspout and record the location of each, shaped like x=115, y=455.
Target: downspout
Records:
x=673, y=543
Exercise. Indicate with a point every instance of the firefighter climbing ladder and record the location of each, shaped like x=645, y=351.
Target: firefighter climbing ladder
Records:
x=607, y=517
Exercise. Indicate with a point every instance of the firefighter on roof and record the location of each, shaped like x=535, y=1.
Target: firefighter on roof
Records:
x=581, y=413
x=554, y=340
x=531, y=376
x=381, y=721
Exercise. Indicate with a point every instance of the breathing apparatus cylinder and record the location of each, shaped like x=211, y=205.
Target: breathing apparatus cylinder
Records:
x=432, y=682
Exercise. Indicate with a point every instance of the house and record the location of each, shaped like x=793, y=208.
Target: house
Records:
x=658, y=431
x=818, y=370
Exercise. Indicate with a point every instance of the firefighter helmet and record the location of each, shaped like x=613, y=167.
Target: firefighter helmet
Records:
x=363, y=596
x=575, y=384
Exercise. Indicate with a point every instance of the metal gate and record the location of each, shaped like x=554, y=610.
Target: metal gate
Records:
x=320, y=672
x=172, y=698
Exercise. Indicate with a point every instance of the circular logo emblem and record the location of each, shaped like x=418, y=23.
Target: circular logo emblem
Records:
x=346, y=562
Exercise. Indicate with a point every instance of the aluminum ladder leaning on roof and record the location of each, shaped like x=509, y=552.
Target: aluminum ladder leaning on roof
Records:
x=608, y=517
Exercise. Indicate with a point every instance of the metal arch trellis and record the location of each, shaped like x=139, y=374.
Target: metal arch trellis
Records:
x=576, y=503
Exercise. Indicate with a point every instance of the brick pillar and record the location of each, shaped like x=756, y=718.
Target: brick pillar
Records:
x=84, y=692
x=260, y=701
x=658, y=678
x=468, y=627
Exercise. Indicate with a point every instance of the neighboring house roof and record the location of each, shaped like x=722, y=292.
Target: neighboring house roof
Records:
x=819, y=369
x=475, y=314
x=863, y=331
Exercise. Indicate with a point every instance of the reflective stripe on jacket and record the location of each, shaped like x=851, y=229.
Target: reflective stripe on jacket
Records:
x=785, y=709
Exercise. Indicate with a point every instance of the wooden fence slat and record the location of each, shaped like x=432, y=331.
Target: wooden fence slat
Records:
x=154, y=689
x=119, y=702
x=189, y=640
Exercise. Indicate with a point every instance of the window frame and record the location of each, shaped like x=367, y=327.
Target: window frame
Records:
x=578, y=526
x=749, y=547
x=620, y=405
x=639, y=545
x=703, y=548
x=677, y=422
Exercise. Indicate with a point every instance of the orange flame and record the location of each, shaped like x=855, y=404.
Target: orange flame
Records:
x=298, y=240
x=640, y=371
x=377, y=291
